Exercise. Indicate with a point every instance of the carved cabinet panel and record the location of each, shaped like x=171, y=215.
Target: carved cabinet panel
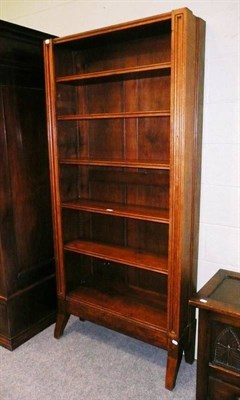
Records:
x=218, y=369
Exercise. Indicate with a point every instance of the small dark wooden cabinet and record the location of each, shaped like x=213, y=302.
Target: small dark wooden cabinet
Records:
x=27, y=278
x=218, y=365
x=124, y=116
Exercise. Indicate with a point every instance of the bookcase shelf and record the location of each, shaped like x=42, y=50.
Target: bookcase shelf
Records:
x=122, y=255
x=124, y=304
x=122, y=210
x=114, y=115
x=117, y=163
x=146, y=70
x=124, y=117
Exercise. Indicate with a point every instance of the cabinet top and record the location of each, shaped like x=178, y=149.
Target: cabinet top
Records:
x=220, y=294
x=22, y=33
x=135, y=27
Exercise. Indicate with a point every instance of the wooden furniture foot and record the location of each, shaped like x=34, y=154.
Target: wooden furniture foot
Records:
x=61, y=322
x=173, y=364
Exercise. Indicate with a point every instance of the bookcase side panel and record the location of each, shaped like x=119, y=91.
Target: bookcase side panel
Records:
x=53, y=163
x=184, y=159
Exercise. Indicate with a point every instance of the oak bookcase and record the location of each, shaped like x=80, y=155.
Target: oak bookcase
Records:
x=124, y=107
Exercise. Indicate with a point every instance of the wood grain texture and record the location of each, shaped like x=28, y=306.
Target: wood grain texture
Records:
x=125, y=138
x=27, y=281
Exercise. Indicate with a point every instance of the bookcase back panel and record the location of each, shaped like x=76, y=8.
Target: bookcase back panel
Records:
x=70, y=142
x=145, y=236
x=69, y=183
x=66, y=99
x=106, y=139
x=124, y=54
x=129, y=95
x=131, y=139
x=137, y=187
x=148, y=236
x=153, y=139
x=116, y=280
x=114, y=52
x=80, y=270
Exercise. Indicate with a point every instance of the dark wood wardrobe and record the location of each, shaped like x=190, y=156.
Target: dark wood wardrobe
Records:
x=27, y=273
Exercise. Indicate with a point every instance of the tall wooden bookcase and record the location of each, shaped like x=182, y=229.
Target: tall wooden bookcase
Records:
x=124, y=107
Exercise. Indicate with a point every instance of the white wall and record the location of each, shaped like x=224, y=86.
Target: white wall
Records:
x=220, y=191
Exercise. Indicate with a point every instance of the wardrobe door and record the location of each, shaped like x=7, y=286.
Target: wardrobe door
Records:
x=27, y=273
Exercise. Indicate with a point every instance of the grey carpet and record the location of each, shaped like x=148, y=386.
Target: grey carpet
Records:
x=89, y=362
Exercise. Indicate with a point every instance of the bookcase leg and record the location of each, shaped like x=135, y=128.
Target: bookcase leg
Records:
x=173, y=363
x=61, y=322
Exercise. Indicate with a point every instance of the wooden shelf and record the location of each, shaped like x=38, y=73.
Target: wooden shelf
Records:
x=160, y=68
x=116, y=163
x=144, y=307
x=121, y=210
x=137, y=114
x=120, y=255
